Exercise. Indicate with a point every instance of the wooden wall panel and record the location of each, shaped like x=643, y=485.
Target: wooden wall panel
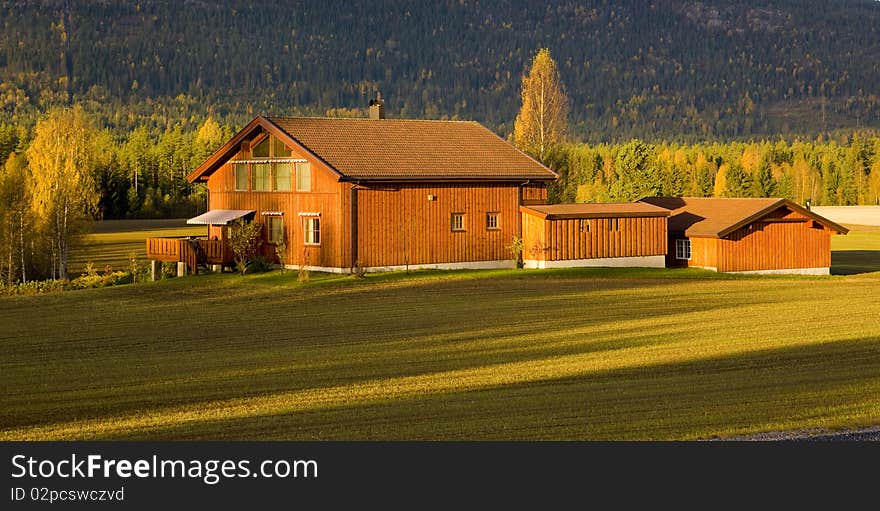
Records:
x=398, y=225
x=326, y=197
x=638, y=236
x=776, y=246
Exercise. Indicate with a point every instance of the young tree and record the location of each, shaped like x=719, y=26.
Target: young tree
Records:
x=543, y=118
x=244, y=240
x=61, y=159
x=14, y=218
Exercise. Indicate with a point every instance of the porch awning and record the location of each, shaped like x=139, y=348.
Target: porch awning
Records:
x=220, y=216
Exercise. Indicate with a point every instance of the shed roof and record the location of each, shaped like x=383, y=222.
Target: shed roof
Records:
x=608, y=210
x=393, y=149
x=716, y=217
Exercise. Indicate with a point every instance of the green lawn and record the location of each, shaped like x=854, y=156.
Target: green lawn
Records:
x=550, y=354
x=112, y=241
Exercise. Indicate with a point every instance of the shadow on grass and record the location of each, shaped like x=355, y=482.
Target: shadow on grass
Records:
x=824, y=385
x=853, y=262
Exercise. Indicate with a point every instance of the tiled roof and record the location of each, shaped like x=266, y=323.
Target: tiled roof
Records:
x=411, y=149
x=717, y=217
x=626, y=209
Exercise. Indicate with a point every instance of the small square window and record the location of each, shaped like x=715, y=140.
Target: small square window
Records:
x=683, y=249
x=492, y=221
x=458, y=221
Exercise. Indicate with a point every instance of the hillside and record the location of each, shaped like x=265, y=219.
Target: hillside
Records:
x=667, y=69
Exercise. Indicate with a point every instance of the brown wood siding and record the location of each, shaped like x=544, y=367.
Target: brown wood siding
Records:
x=327, y=196
x=775, y=246
x=534, y=193
x=398, y=225
x=557, y=240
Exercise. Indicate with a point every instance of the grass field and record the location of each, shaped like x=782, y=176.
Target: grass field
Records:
x=551, y=354
x=112, y=241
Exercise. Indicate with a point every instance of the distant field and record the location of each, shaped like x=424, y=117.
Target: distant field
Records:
x=111, y=241
x=857, y=252
x=552, y=354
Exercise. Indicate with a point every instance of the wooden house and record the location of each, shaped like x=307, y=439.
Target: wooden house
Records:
x=569, y=235
x=373, y=193
x=747, y=235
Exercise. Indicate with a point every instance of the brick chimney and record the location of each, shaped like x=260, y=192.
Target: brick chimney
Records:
x=377, y=107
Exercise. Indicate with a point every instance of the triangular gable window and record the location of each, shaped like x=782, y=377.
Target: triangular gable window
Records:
x=261, y=150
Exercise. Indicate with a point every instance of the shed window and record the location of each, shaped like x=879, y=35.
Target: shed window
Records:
x=614, y=224
x=303, y=177
x=276, y=229
x=260, y=177
x=683, y=249
x=312, y=229
x=281, y=177
x=492, y=221
x=584, y=225
x=241, y=177
x=457, y=221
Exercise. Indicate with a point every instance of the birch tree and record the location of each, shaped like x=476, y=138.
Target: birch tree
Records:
x=543, y=118
x=64, y=192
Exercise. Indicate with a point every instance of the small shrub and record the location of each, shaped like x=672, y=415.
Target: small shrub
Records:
x=358, y=271
x=303, y=273
x=169, y=269
x=90, y=269
x=258, y=264
x=516, y=249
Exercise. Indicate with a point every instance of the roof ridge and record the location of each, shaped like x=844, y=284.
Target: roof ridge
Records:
x=325, y=118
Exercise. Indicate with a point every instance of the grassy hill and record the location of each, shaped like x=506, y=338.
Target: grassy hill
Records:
x=555, y=354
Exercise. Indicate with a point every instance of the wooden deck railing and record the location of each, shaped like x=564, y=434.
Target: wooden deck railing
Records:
x=184, y=250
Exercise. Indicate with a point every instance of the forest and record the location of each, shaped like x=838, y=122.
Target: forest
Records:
x=665, y=97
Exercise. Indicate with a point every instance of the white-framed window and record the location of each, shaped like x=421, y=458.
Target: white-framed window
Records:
x=312, y=230
x=275, y=226
x=683, y=249
x=457, y=221
x=281, y=176
x=303, y=177
x=240, y=173
x=584, y=224
x=492, y=221
x=260, y=174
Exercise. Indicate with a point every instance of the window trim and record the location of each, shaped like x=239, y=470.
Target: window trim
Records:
x=307, y=220
x=273, y=176
x=682, y=247
x=462, y=227
x=497, y=216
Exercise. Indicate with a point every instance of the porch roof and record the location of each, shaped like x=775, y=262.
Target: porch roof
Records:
x=220, y=216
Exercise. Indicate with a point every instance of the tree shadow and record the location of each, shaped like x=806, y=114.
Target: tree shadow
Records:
x=853, y=262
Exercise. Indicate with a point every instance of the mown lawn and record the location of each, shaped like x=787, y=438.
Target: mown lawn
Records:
x=569, y=354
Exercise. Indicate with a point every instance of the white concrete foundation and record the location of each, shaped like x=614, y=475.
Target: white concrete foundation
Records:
x=181, y=269
x=469, y=265
x=155, y=270
x=655, y=261
x=788, y=271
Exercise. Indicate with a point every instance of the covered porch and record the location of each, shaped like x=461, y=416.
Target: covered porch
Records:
x=191, y=252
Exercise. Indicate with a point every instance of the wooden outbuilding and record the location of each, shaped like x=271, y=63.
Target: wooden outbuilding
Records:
x=373, y=193
x=747, y=235
x=570, y=235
